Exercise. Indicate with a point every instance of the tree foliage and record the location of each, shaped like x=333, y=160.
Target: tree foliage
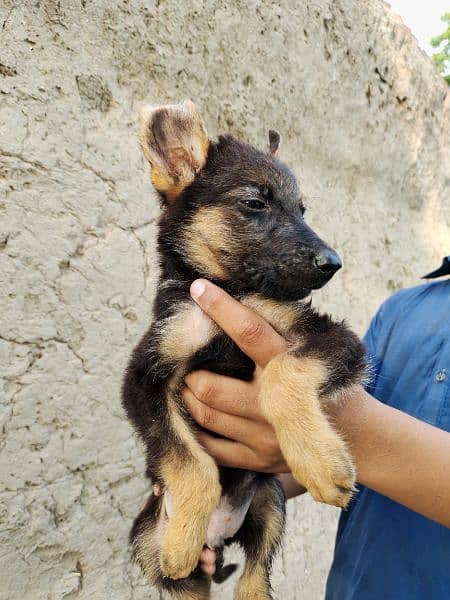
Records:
x=441, y=42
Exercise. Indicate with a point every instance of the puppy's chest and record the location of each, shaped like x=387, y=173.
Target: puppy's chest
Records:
x=183, y=333
x=189, y=336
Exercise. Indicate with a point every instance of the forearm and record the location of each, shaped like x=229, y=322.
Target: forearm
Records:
x=397, y=455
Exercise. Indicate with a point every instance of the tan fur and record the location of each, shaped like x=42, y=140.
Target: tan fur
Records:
x=274, y=524
x=185, y=332
x=202, y=592
x=316, y=454
x=147, y=552
x=281, y=315
x=186, y=531
x=147, y=547
x=175, y=143
x=254, y=581
x=190, y=329
x=253, y=584
x=206, y=239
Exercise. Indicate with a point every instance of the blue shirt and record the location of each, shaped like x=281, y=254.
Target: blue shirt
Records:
x=383, y=550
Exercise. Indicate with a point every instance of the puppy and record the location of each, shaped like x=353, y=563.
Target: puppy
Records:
x=233, y=214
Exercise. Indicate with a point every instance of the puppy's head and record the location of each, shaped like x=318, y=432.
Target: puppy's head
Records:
x=231, y=213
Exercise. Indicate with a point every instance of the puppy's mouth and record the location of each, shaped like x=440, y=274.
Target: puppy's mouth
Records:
x=277, y=283
x=320, y=284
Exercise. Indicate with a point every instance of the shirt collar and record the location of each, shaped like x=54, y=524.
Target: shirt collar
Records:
x=444, y=269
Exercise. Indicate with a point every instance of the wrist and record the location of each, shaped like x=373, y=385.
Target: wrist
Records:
x=356, y=415
x=290, y=486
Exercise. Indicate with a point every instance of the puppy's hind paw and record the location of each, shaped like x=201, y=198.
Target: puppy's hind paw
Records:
x=178, y=562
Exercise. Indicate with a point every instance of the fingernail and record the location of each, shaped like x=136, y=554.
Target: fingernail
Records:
x=198, y=288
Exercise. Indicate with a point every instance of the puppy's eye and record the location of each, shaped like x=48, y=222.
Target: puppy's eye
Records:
x=254, y=204
x=265, y=192
x=302, y=210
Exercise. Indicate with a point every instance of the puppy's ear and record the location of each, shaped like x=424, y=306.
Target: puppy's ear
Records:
x=175, y=143
x=274, y=141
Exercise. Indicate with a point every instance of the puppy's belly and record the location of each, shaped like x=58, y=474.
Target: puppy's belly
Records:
x=226, y=519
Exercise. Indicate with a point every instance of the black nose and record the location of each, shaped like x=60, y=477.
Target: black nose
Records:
x=327, y=261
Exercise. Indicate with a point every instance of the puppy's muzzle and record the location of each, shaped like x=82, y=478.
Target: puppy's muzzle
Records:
x=327, y=262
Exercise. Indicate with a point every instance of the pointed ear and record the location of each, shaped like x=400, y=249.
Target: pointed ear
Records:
x=175, y=143
x=274, y=141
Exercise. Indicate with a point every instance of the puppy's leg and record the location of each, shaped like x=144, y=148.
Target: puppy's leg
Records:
x=200, y=590
x=260, y=536
x=192, y=479
x=145, y=538
x=291, y=402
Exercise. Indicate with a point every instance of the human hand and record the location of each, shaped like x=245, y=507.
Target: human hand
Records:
x=229, y=406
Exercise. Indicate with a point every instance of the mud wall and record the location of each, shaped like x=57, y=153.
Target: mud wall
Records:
x=362, y=114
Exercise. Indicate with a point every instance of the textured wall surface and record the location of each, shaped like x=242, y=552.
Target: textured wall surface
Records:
x=362, y=114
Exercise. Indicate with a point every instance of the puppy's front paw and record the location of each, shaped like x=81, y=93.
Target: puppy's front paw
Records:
x=315, y=452
x=179, y=554
x=327, y=471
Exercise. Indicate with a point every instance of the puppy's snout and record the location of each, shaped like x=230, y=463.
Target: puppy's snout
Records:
x=327, y=262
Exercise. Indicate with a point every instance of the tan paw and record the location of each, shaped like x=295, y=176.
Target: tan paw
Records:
x=244, y=593
x=179, y=557
x=252, y=596
x=249, y=595
x=328, y=472
x=253, y=585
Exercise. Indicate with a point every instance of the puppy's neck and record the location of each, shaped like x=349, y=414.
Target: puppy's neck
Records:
x=175, y=273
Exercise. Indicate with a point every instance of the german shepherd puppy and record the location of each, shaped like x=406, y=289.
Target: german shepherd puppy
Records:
x=233, y=214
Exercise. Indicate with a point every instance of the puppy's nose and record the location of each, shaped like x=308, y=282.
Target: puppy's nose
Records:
x=327, y=261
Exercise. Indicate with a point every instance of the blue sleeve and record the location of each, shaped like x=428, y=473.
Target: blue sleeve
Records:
x=372, y=343
x=382, y=321
x=380, y=330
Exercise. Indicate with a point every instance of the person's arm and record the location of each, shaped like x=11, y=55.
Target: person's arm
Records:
x=395, y=454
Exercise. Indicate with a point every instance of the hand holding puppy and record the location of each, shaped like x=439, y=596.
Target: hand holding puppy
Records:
x=229, y=406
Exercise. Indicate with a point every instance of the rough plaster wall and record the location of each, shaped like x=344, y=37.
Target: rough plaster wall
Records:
x=361, y=111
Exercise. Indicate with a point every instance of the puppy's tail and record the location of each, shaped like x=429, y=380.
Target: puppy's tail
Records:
x=222, y=571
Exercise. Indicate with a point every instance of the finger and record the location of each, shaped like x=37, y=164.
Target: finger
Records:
x=207, y=568
x=208, y=555
x=228, y=453
x=254, y=336
x=230, y=426
x=226, y=394
x=208, y=561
